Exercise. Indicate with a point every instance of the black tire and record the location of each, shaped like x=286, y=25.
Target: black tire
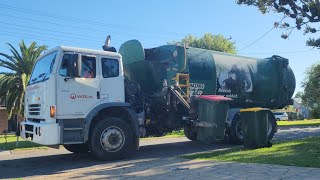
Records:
x=236, y=129
x=109, y=132
x=190, y=132
x=236, y=136
x=273, y=124
x=77, y=148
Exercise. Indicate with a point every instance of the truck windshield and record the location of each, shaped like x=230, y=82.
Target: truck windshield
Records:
x=43, y=68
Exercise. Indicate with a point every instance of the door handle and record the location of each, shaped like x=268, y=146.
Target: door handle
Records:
x=98, y=95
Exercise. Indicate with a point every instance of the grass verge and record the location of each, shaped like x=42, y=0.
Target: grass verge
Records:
x=313, y=122
x=303, y=152
x=173, y=134
x=9, y=143
x=179, y=133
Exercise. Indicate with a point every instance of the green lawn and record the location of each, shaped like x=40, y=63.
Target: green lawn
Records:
x=173, y=134
x=303, y=152
x=179, y=133
x=313, y=122
x=10, y=143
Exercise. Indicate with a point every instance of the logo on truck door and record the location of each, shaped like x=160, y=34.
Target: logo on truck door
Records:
x=82, y=96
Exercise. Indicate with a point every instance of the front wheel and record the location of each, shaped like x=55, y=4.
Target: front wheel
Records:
x=111, y=139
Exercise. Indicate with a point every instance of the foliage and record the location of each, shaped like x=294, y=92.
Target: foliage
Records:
x=303, y=152
x=299, y=94
x=14, y=82
x=178, y=133
x=305, y=13
x=313, y=122
x=311, y=95
x=209, y=41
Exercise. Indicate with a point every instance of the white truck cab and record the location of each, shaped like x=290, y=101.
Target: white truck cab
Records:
x=68, y=90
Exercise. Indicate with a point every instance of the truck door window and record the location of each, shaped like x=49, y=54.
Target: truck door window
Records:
x=64, y=69
x=88, y=67
x=110, y=67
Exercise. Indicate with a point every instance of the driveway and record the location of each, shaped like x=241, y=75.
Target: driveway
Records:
x=156, y=159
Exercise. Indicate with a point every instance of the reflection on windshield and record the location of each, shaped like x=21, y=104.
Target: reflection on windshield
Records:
x=43, y=68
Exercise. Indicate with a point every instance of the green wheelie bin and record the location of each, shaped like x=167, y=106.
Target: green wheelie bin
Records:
x=255, y=127
x=212, y=116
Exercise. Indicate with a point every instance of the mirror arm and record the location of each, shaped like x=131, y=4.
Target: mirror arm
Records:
x=67, y=78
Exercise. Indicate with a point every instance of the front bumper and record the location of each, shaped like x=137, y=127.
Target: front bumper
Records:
x=41, y=133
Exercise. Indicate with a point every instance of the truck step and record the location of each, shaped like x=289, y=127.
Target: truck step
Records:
x=72, y=129
x=75, y=142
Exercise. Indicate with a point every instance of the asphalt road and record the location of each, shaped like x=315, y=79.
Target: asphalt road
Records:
x=153, y=154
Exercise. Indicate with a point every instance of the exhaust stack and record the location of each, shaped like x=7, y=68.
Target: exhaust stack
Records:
x=107, y=47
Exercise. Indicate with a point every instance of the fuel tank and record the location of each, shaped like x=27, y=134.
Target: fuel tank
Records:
x=250, y=82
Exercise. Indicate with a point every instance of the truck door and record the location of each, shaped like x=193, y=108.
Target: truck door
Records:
x=111, y=79
x=77, y=95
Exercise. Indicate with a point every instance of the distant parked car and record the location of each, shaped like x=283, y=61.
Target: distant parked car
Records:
x=280, y=116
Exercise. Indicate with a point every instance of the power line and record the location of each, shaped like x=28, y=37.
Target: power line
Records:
x=43, y=38
x=88, y=22
x=76, y=27
x=263, y=35
x=44, y=33
x=257, y=39
x=35, y=29
x=285, y=52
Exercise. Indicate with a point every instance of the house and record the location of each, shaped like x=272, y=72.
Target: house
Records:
x=300, y=108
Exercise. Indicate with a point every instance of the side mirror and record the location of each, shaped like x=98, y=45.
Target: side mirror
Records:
x=75, y=65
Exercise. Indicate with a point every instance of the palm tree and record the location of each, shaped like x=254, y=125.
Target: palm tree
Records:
x=14, y=83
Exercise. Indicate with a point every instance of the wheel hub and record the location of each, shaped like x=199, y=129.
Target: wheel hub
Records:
x=112, y=139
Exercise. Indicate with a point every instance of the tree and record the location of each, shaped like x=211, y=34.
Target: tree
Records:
x=311, y=95
x=299, y=94
x=14, y=83
x=209, y=41
x=305, y=13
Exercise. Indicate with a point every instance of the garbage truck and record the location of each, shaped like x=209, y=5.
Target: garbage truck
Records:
x=103, y=101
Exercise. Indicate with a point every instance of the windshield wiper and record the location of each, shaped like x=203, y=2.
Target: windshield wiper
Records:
x=51, y=66
x=35, y=79
x=42, y=74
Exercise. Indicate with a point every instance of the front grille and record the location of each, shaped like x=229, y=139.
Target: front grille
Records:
x=29, y=128
x=34, y=109
x=35, y=120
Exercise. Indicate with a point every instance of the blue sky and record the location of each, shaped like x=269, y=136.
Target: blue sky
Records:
x=87, y=23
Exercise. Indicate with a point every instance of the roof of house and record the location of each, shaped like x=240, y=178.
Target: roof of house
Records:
x=298, y=100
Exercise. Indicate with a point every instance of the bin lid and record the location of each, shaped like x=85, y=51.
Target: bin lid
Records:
x=214, y=98
x=255, y=109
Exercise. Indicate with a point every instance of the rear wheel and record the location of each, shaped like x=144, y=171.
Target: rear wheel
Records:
x=77, y=148
x=190, y=132
x=111, y=139
x=272, y=125
x=236, y=129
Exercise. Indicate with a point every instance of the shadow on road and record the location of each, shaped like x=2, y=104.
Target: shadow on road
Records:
x=55, y=164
